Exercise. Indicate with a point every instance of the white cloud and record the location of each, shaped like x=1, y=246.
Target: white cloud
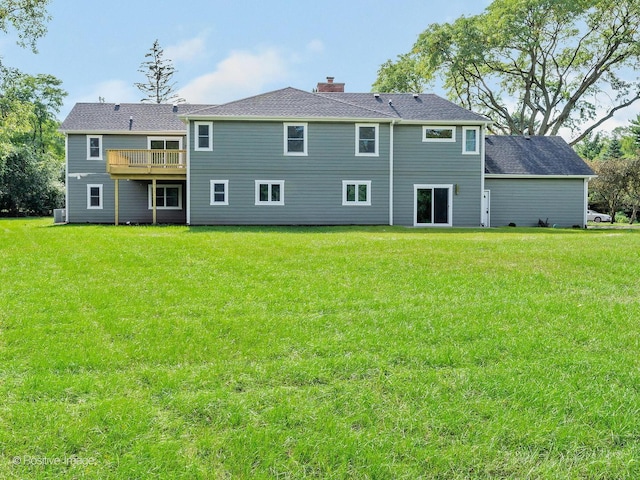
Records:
x=187, y=50
x=240, y=75
x=315, y=46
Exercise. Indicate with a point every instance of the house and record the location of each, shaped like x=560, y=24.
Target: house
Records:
x=291, y=157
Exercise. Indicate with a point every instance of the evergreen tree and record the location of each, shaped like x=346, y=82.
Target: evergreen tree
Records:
x=159, y=72
x=634, y=128
x=590, y=147
x=614, y=149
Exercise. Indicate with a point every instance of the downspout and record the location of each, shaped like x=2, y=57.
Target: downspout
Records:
x=66, y=178
x=482, y=167
x=391, y=148
x=188, y=184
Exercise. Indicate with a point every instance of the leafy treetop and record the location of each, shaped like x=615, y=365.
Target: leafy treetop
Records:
x=532, y=66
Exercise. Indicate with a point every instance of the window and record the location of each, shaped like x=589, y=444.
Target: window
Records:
x=269, y=192
x=94, y=147
x=168, y=197
x=295, y=139
x=204, y=136
x=219, y=192
x=470, y=145
x=436, y=133
x=432, y=205
x=164, y=143
x=356, y=192
x=162, y=154
x=367, y=139
x=94, y=196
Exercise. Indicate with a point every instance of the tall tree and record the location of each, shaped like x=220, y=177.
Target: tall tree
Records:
x=159, y=87
x=610, y=186
x=633, y=188
x=532, y=66
x=30, y=104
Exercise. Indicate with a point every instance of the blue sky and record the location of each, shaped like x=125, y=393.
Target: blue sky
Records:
x=227, y=50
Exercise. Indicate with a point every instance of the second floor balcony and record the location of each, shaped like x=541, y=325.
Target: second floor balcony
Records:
x=140, y=164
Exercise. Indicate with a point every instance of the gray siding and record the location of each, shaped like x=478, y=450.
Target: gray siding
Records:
x=133, y=195
x=418, y=162
x=525, y=201
x=247, y=151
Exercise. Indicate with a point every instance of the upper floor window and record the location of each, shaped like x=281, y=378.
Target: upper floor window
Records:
x=470, y=140
x=164, y=143
x=94, y=196
x=367, y=139
x=295, y=139
x=437, y=133
x=204, y=136
x=94, y=147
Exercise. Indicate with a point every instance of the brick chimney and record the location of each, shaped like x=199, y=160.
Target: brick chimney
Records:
x=329, y=86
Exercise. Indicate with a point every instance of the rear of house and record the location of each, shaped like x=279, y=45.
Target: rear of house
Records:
x=291, y=157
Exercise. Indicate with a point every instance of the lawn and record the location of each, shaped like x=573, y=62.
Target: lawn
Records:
x=381, y=352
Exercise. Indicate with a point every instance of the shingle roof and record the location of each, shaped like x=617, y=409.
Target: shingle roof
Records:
x=534, y=155
x=422, y=107
x=293, y=103
x=111, y=117
x=285, y=103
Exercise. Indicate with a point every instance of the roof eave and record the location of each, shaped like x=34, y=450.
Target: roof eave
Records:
x=244, y=118
x=123, y=132
x=236, y=118
x=539, y=176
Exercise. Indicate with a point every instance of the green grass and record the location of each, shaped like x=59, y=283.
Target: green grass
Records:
x=176, y=352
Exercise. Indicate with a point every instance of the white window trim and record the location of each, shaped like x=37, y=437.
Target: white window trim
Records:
x=417, y=187
x=89, y=157
x=269, y=182
x=377, y=133
x=438, y=127
x=165, y=185
x=212, y=201
x=150, y=139
x=464, y=141
x=356, y=202
x=304, y=139
x=196, y=136
x=89, y=187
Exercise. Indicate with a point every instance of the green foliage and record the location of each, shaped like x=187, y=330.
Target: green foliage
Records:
x=27, y=18
x=590, y=147
x=549, y=58
x=159, y=87
x=28, y=106
x=379, y=352
x=30, y=183
x=613, y=149
x=634, y=130
x=617, y=185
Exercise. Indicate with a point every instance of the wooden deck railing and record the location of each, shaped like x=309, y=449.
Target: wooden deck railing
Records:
x=156, y=162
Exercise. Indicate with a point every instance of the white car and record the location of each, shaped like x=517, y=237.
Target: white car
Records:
x=597, y=217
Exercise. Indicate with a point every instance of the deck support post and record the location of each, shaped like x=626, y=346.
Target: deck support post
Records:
x=153, y=198
x=117, y=182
